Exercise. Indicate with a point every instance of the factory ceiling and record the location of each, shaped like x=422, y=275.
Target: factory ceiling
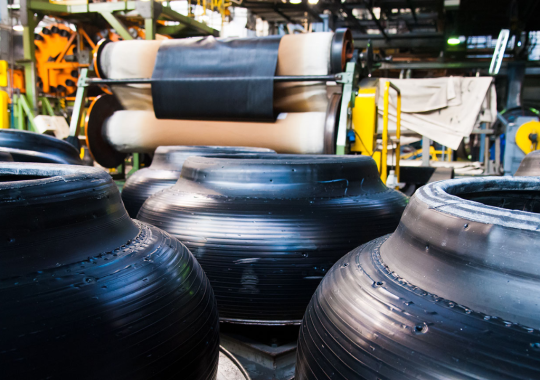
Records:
x=428, y=22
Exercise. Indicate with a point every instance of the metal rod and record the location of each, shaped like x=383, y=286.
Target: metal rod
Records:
x=284, y=78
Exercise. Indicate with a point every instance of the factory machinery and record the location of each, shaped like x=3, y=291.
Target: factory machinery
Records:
x=293, y=94
x=44, y=66
x=307, y=265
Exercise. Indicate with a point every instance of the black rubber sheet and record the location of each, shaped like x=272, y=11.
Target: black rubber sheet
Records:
x=211, y=79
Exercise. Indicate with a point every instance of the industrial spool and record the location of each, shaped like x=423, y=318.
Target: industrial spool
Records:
x=165, y=170
x=299, y=117
x=530, y=166
x=453, y=293
x=112, y=133
x=88, y=292
x=266, y=229
x=26, y=146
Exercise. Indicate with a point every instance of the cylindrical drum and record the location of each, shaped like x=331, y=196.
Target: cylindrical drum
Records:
x=453, y=293
x=165, y=171
x=266, y=229
x=530, y=166
x=88, y=293
x=26, y=146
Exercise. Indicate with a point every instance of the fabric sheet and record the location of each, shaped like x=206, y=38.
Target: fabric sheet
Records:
x=444, y=110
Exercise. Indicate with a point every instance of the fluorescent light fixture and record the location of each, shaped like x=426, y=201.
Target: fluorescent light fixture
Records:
x=498, y=54
x=313, y=1
x=18, y=28
x=454, y=41
x=295, y=1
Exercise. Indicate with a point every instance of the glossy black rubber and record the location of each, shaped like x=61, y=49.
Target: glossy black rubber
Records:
x=452, y=294
x=215, y=79
x=530, y=166
x=27, y=146
x=5, y=157
x=267, y=229
x=88, y=293
x=165, y=171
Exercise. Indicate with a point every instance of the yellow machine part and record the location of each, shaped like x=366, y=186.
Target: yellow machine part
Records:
x=56, y=76
x=4, y=73
x=364, y=121
x=524, y=136
x=4, y=100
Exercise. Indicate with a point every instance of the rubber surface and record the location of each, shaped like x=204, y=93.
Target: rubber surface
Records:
x=452, y=294
x=5, y=157
x=215, y=79
x=88, y=293
x=165, y=171
x=27, y=146
x=266, y=230
x=530, y=166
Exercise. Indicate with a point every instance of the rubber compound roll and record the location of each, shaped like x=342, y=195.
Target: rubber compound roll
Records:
x=165, y=171
x=87, y=292
x=26, y=146
x=215, y=79
x=453, y=293
x=530, y=166
x=267, y=229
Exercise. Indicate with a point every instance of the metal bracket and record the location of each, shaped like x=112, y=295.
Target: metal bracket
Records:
x=117, y=25
x=76, y=116
x=349, y=80
x=149, y=9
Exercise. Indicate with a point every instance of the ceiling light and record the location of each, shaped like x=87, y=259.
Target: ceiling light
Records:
x=295, y=1
x=454, y=41
x=18, y=28
x=313, y=1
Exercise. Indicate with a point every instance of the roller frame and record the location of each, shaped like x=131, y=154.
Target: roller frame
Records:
x=348, y=79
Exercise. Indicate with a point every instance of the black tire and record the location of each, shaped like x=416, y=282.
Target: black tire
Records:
x=267, y=228
x=530, y=166
x=34, y=147
x=87, y=292
x=452, y=294
x=165, y=171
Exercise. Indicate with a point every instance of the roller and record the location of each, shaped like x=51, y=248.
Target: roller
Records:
x=301, y=132
x=298, y=54
x=112, y=133
x=128, y=59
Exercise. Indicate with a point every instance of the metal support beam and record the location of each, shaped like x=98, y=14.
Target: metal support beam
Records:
x=149, y=29
x=199, y=26
x=29, y=24
x=315, y=15
x=348, y=79
x=413, y=12
x=78, y=107
x=117, y=25
x=377, y=22
x=356, y=22
x=289, y=20
x=426, y=144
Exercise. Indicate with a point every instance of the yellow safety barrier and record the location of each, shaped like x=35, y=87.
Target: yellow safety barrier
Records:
x=384, y=156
